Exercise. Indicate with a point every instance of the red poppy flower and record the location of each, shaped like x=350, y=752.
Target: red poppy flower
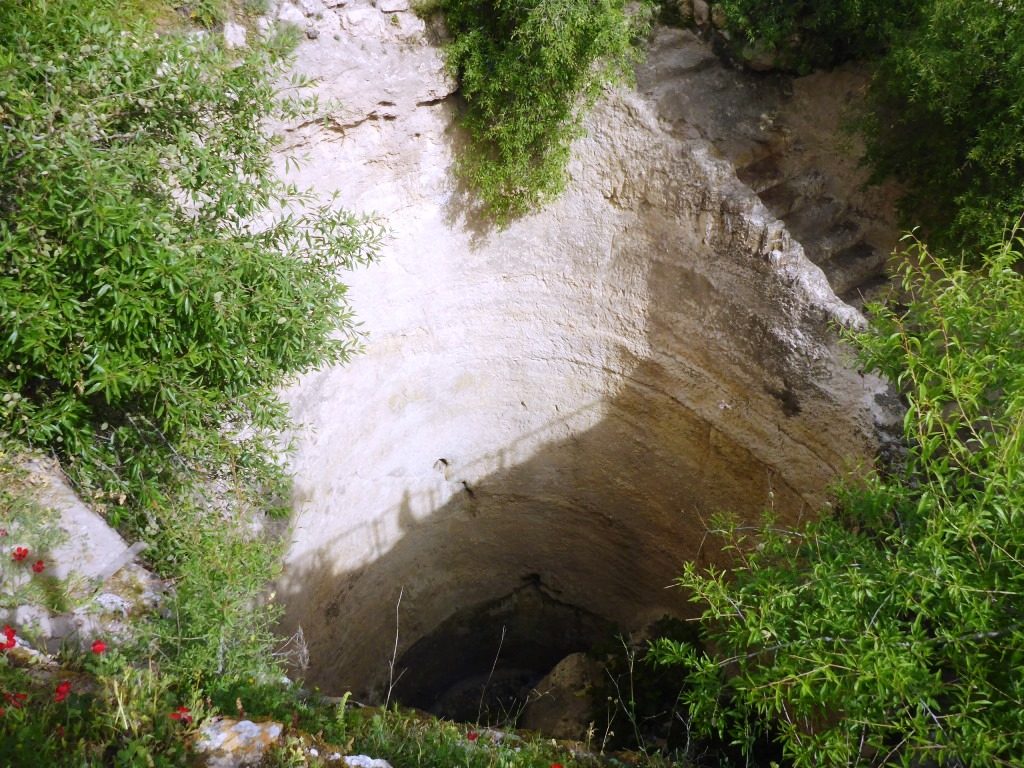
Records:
x=472, y=735
x=19, y=554
x=62, y=691
x=9, y=638
x=16, y=699
x=182, y=714
x=556, y=765
x=98, y=646
x=38, y=566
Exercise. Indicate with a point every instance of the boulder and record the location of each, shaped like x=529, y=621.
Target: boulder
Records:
x=225, y=742
x=234, y=35
x=562, y=706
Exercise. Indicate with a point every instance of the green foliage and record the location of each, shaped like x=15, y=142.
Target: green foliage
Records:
x=114, y=713
x=158, y=285
x=947, y=120
x=144, y=322
x=637, y=705
x=425, y=9
x=891, y=632
x=413, y=739
x=812, y=33
x=944, y=114
x=218, y=631
x=208, y=12
x=28, y=525
x=528, y=71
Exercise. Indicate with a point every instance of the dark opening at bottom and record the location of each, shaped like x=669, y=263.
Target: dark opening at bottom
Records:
x=481, y=663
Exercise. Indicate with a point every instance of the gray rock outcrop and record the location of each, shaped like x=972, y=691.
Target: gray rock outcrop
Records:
x=93, y=569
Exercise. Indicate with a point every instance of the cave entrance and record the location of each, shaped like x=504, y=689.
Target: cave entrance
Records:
x=483, y=663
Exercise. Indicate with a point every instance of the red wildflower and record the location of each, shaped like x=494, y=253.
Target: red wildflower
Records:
x=9, y=641
x=182, y=714
x=472, y=735
x=556, y=765
x=98, y=646
x=38, y=566
x=16, y=699
x=2, y=711
x=62, y=691
x=19, y=554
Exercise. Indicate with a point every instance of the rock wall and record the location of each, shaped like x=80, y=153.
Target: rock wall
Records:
x=561, y=404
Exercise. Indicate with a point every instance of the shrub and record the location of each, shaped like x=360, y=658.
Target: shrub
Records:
x=890, y=632
x=158, y=284
x=943, y=114
x=811, y=33
x=528, y=71
x=947, y=121
x=145, y=321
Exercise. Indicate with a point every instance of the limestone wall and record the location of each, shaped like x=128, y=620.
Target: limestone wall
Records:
x=562, y=403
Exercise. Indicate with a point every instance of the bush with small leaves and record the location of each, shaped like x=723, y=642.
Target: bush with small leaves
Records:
x=890, y=632
x=528, y=70
x=945, y=120
x=814, y=33
x=158, y=284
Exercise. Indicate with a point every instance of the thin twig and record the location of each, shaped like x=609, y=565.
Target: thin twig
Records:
x=392, y=680
x=483, y=691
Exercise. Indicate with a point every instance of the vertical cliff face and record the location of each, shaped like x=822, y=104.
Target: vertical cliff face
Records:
x=545, y=416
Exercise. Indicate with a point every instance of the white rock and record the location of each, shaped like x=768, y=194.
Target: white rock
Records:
x=365, y=22
x=312, y=7
x=90, y=546
x=229, y=743
x=365, y=761
x=291, y=14
x=392, y=6
x=111, y=603
x=234, y=35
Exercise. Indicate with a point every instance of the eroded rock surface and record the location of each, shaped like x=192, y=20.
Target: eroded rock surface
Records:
x=566, y=402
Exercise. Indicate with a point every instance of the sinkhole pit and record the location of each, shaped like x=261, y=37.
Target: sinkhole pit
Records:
x=547, y=415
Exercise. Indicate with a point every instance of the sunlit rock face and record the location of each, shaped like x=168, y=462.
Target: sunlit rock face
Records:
x=546, y=416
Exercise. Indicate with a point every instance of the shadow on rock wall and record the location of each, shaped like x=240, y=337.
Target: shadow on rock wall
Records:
x=723, y=414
